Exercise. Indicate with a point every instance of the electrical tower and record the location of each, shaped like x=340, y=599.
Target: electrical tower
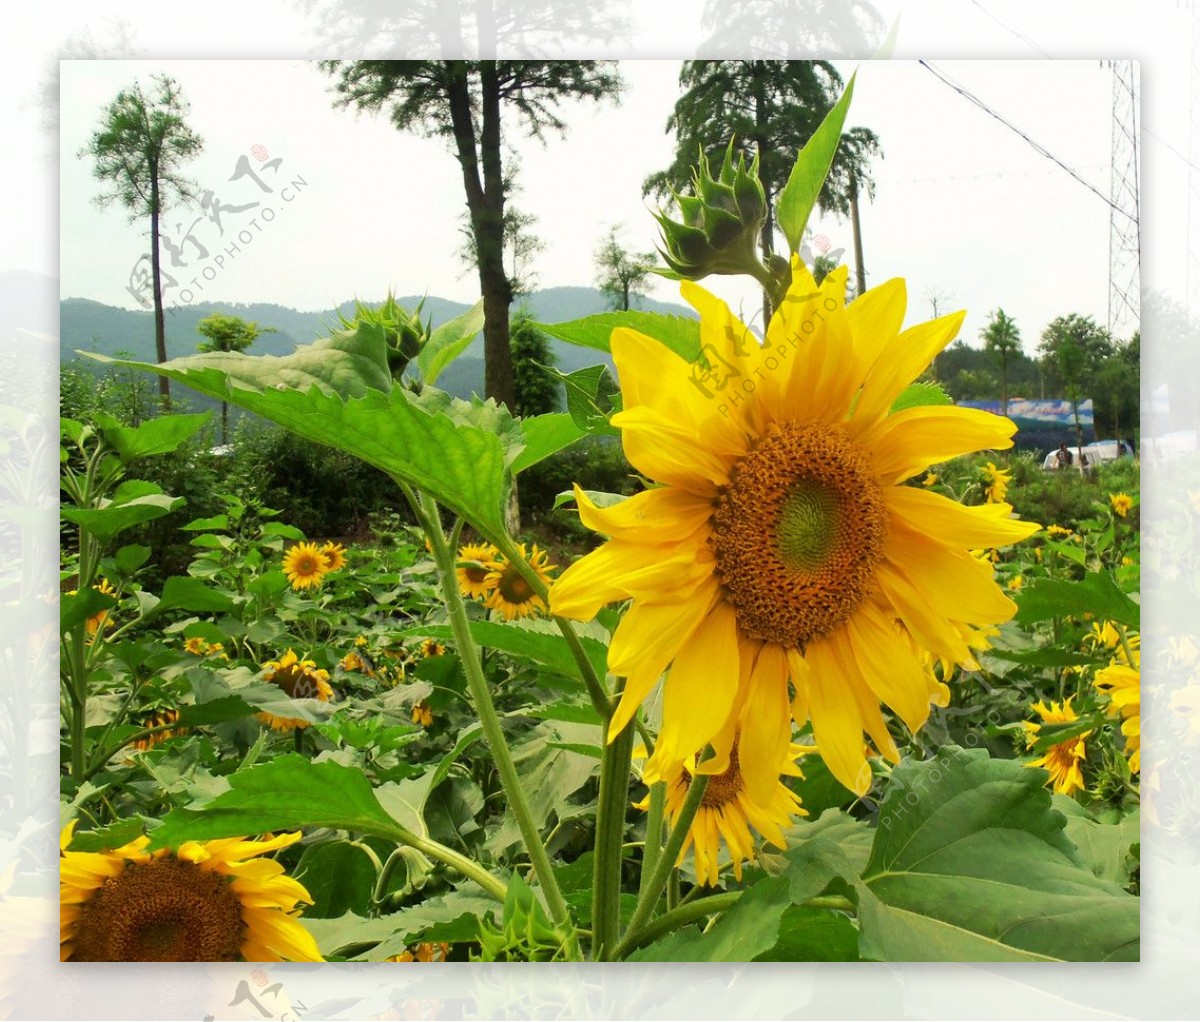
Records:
x=1124, y=218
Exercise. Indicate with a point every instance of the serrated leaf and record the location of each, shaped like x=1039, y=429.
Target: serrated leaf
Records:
x=917, y=394
x=338, y=876
x=449, y=341
x=545, y=435
x=1105, y=847
x=813, y=935
x=680, y=334
x=113, y=836
x=154, y=436
x=1097, y=594
x=797, y=198
x=120, y=514
x=583, y=402
x=970, y=863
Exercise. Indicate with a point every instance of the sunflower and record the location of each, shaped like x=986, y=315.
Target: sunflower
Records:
x=158, y=720
x=1121, y=503
x=727, y=812
x=426, y=951
x=511, y=594
x=422, y=714
x=1058, y=531
x=300, y=679
x=355, y=661
x=997, y=480
x=431, y=647
x=930, y=479
x=476, y=562
x=207, y=901
x=304, y=565
x=1064, y=760
x=335, y=556
x=781, y=540
x=1121, y=681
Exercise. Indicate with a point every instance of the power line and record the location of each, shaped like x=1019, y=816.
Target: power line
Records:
x=1011, y=31
x=1037, y=146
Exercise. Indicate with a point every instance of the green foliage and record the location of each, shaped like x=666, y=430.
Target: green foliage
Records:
x=537, y=391
x=621, y=274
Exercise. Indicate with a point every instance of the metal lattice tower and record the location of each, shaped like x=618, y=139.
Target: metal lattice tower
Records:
x=1124, y=218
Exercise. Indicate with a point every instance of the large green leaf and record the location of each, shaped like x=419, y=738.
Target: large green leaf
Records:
x=154, y=436
x=680, y=334
x=449, y=341
x=1097, y=594
x=531, y=639
x=287, y=793
x=970, y=863
x=339, y=877
x=459, y=452
x=1106, y=848
x=132, y=503
x=546, y=435
x=181, y=592
x=799, y=195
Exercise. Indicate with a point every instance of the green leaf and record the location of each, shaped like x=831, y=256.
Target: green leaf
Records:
x=545, y=435
x=530, y=639
x=1051, y=656
x=1106, y=848
x=449, y=341
x=797, y=198
x=113, y=836
x=183, y=593
x=76, y=608
x=125, y=510
x=215, y=711
x=456, y=451
x=918, y=394
x=154, y=436
x=970, y=863
x=202, y=524
x=1096, y=594
x=583, y=401
x=285, y=794
x=680, y=334
x=338, y=876
x=813, y=935
x=129, y=558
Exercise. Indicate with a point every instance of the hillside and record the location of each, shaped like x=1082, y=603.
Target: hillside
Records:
x=86, y=325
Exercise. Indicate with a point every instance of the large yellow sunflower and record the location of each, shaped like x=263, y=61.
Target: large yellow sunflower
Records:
x=510, y=593
x=781, y=534
x=1122, y=683
x=305, y=564
x=727, y=812
x=207, y=901
x=1064, y=761
x=300, y=679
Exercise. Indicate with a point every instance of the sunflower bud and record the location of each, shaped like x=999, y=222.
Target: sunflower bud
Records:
x=720, y=221
x=403, y=331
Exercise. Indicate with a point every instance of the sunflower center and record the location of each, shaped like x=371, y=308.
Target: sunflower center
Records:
x=723, y=788
x=798, y=533
x=165, y=910
x=513, y=587
x=475, y=573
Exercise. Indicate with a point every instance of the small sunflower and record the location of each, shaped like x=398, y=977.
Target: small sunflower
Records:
x=930, y=479
x=335, y=556
x=1121, y=503
x=300, y=679
x=1064, y=761
x=997, y=480
x=207, y=901
x=476, y=561
x=1122, y=683
x=783, y=540
x=158, y=720
x=1014, y=584
x=727, y=813
x=356, y=661
x=422, y=714
x=426, y=951
x=431, y=647
x=304, y=565
x=1058, y=532
x=511, y=593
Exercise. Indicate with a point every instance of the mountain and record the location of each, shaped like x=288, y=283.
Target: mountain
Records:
x=86, y=325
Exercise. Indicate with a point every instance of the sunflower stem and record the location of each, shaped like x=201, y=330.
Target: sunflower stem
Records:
x=687, y=913
x=615, y=759
x=652, y=891
x=467, y=867
x=654, y=827
x=427, y=513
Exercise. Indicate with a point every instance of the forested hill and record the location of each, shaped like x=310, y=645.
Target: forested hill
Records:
x=93, y=326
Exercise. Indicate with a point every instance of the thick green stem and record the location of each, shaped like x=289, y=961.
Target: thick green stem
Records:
x=467, y=867
x=686, y=913
x=615, y=761
x=654, y=825
x=468, y=652
x=653, y=890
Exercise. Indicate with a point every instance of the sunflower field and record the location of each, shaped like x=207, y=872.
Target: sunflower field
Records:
x=846, y=679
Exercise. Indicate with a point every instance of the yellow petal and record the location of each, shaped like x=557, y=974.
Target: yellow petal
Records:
x=671, y=451
x=890, y=667
x=766, y=723
x=652, y=516
x=987, y=525
x=906, y=359
x=911, y=440
x=837, y=725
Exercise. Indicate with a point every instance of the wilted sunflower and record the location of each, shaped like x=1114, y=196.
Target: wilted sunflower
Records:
x=422, y=714
x=475, y=564
x=1064, y=761
x=304, y=565
x=727, y=812
x=511, y=594
x=300, y=679
x=158, y=720
x=781, y=531
x=208, y=901
x=335, y=556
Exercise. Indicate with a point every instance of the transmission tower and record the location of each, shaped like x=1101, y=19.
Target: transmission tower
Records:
x=1124, y=218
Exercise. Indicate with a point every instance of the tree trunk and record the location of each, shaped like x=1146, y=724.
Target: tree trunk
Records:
x=859, y=268
x=224, y=422
x=160, y=327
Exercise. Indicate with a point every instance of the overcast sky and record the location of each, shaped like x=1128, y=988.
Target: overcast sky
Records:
x=965, y=208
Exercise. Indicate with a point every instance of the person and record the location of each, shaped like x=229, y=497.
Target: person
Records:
x=1064, y=456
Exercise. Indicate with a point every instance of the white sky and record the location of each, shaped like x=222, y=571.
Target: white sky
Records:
x=964, y=207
